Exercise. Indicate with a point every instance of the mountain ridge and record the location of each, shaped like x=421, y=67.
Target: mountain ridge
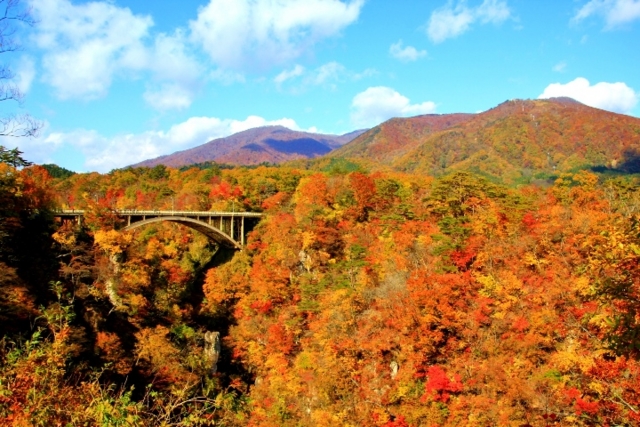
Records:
x=271, y=144
x=514, y=140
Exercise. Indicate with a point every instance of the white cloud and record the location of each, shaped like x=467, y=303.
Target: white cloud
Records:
x=87, y=45
x=168, y=97
x=285, y=75
x=104, y=153
x=616, y=97
x=241, y=34
x=380, y=103
x=560, y=67
x=493, y=12
x=447, y=22
x=450, y=21
x=176, y=74
x=406, y=54
x=368, y=72
x=615, y=12
x=37, y=150
x=170, y=60
x=328, y=73
x=226, y=77
x=25, y=72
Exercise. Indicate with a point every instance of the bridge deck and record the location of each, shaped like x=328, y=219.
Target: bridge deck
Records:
x=228, y=228
x=190, y=214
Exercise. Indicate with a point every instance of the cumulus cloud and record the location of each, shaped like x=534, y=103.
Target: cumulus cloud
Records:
x=380, y=103
x=451, y=20
x=615, y=12
x=86, y=46
x=245, y=34
x=103, y=153
x=616, y=97
x=405, y=54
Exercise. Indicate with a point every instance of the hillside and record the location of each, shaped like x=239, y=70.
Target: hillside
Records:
x=271, y=144
x=398, y=136
x=515, y=141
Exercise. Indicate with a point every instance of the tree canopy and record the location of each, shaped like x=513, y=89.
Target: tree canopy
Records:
x=382, y=299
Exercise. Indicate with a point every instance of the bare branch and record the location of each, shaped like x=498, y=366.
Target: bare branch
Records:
x=20, y=126
x=13, y=13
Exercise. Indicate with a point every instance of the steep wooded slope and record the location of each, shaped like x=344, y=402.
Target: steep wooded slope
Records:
x=398, y=136
x=515, y=140
x=272, y=144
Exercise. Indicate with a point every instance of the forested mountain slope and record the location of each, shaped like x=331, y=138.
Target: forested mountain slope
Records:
x=270, y=144
x=398, y=136
x=515, y=141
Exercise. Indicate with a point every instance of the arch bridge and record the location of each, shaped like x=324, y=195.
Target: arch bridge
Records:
x=226, y=228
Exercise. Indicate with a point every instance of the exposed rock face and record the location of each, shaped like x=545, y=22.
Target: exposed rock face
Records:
x=111, y=282
x=212, y=349
x=394, y=369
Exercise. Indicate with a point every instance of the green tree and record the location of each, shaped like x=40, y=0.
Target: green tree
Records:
x=13, y=157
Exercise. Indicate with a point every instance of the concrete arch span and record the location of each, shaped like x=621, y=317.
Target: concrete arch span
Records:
x=208, y=230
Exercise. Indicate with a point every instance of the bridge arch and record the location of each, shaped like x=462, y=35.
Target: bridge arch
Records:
x=208, y=230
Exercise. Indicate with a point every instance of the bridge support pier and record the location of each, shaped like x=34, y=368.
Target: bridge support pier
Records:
x=242, y=232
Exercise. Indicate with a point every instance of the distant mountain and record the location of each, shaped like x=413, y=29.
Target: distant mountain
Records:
x=516, y=140
x=273, y=144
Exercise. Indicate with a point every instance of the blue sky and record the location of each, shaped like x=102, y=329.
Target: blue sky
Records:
x=116, y=82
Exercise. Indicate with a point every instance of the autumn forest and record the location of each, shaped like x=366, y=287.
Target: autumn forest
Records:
x=471, y=270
